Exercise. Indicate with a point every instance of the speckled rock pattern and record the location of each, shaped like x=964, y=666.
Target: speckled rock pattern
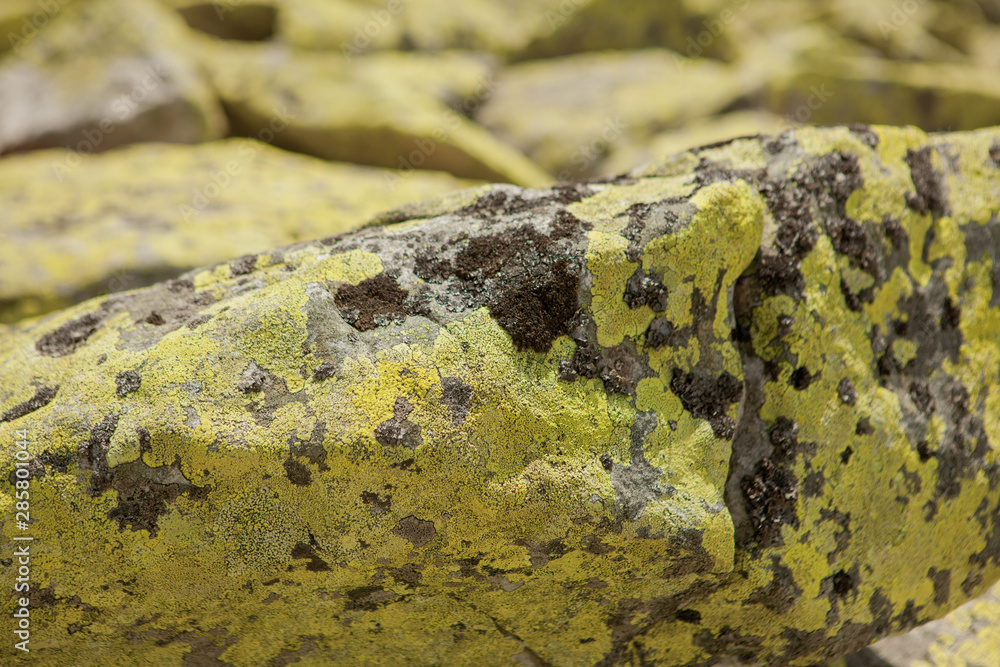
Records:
x=739, y=405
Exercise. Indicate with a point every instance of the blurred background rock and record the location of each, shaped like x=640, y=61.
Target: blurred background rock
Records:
x=294, y=119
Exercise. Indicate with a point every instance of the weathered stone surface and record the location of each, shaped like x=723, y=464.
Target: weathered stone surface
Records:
x=75, y=226
x=101, y=74
x=386, y=109
x=740, y=405
x=543, y=108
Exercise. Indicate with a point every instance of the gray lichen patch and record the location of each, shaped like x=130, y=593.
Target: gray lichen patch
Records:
x=399, y=431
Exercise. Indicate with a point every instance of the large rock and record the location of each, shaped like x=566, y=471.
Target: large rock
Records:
x=104, y=73
x=741, y=404
x=354, y=27
x=74, y=226
x=388, y=109
x=567, y=113
x=933, y=96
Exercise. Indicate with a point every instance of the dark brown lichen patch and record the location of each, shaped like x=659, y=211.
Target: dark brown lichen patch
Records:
x=800, y=379
x=824, y=188
x=378, y=504
x=242, y=266
x=368, y=598
x=126, y=382
x=497, y=202
x=417, y=531
x=942, y=585
x=297, y=474
x=144, y=492
x=93, y=454
x=399, y=431
x=770, y=494
x=645, y=289
x=620, y=370
x=780, y=595
x=851, y=239
x=536, y=310
x=484, y=256
x=373, y=302
x=303, y=551
x=784, y=438
x=457, y=396
x=659, y=333
x=43, y=396
x=68, y=337
x=842, y=583
x=930, y=195
x=407, y=575
x=709, y=398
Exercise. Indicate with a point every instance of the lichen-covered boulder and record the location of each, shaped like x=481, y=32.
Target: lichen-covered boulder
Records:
x=742, y=403
x=76, y=226
x=400, y=110
x=827, y=88
x=354, y=27
x=100, y=74
x=542, y=108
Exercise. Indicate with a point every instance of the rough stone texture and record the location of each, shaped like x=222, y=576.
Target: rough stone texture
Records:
x=501, y=467
x=100, y=74
x=68, y=236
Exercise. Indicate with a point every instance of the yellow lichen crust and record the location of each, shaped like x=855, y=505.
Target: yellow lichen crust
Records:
x=67, y=236
x=752, y=417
